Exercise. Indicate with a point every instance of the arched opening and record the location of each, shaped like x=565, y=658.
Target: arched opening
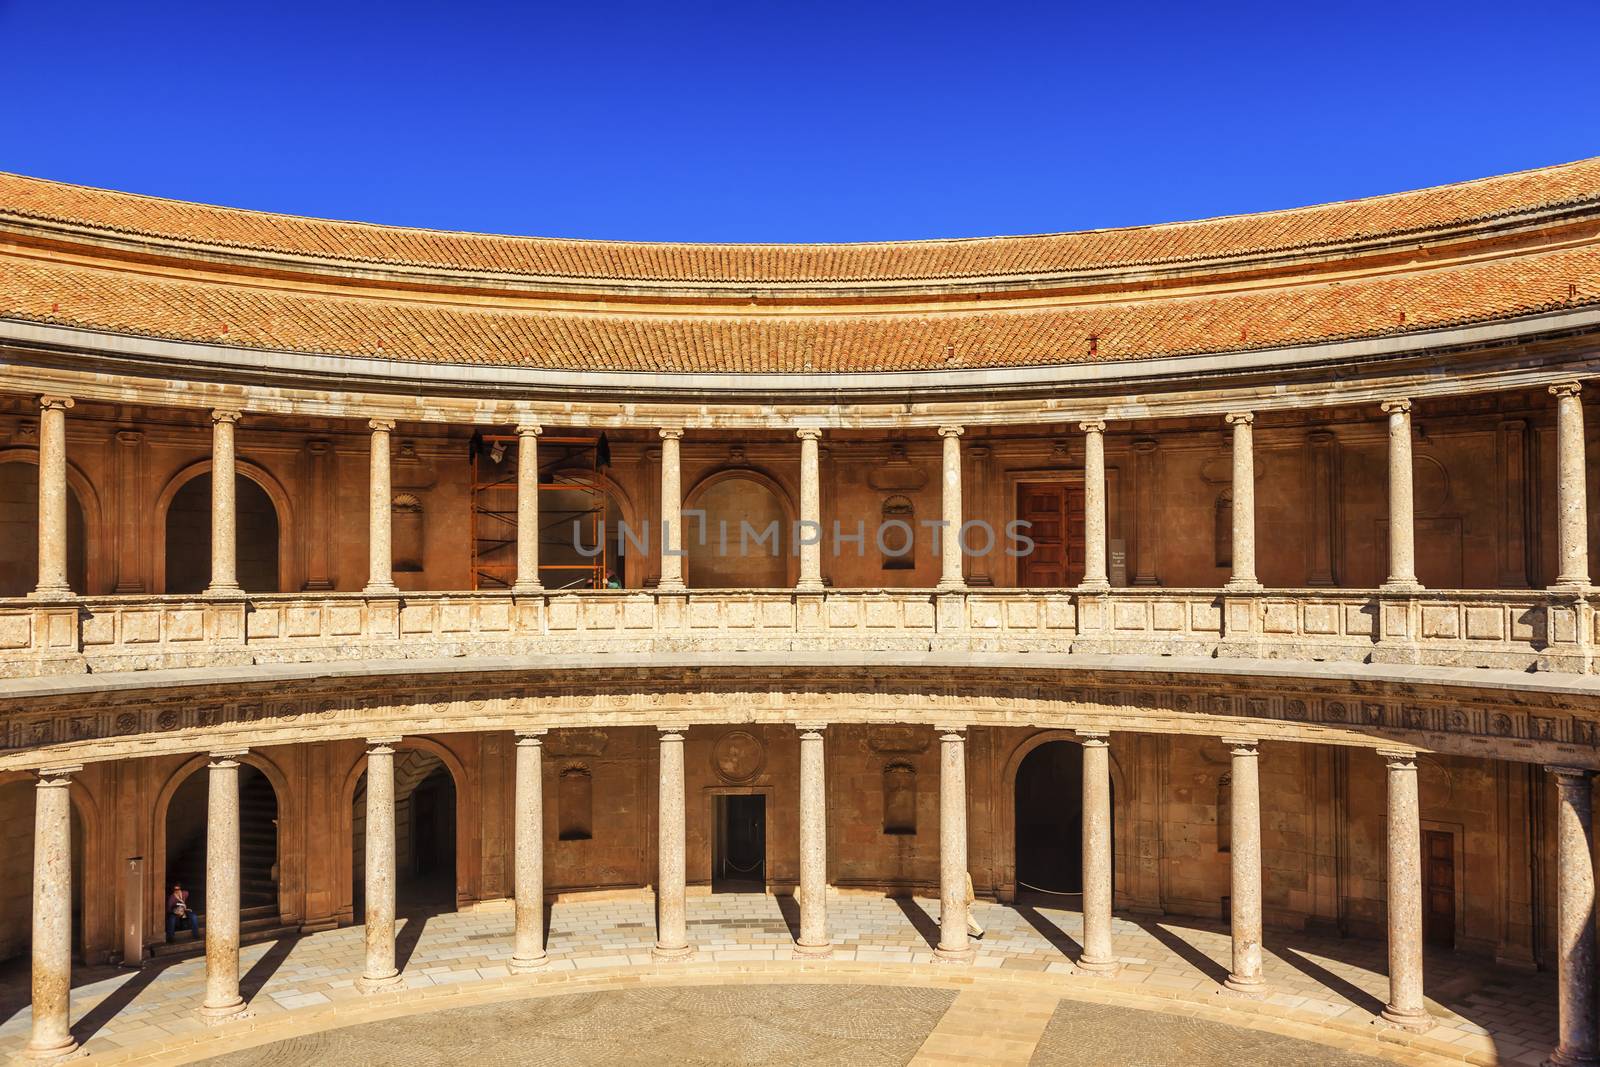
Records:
x=16, y=871
x=19, y=533
x=576, y=513
x=189, y=537
x=746, y=536
x=424, y=835
x=1049, y=819
x=186, y=829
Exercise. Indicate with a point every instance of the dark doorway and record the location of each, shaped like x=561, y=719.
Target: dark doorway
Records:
x=1054, y=512
x=186, y=828
x=189, y=537
x=739, y=859
x=1439, y=888
x=1049, y=818
x=431, y=879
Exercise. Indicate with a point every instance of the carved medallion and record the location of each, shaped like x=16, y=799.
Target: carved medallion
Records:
x=738, y=756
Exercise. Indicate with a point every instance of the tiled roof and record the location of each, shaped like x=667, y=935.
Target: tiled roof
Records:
x=1322, y=227
x=404, y=327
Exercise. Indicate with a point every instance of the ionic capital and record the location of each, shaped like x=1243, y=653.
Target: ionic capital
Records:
x=952, y=431
x=380, y=746
x=380, y=425
x=529, y=429
x=1243, y=746
x=672, y=733
x=951, y=731
x=1398, y=406
x=1399, y=759
x=226, y=757
x=811, y=731
x=530, y=737
x=1566, y=389
x=1093, y=738
x=809, y=433
x=671, y=433
x=226, y=415
x=1239, y=418
x=1092, y=426
x=56, y=777
x=55, y=403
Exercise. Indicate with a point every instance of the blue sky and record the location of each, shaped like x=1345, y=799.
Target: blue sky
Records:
x=790, y=122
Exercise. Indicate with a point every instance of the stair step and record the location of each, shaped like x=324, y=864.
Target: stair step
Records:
x=248, y=935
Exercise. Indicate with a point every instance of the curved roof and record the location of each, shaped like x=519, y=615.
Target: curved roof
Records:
x=1471, y=252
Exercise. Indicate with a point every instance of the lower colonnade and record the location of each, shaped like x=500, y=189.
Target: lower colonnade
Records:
x=1098, y=954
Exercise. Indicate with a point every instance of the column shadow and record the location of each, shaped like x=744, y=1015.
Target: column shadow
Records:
x=118, y=999
x=262, y=970
x=920, y=919
x=1187, y=952
x=1328, y=980
x=1063, y=942
x=549, y=913
x=405, y=942
x=790, y=909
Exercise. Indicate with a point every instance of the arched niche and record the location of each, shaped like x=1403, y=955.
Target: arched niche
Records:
x=19, y=525
x=736, y=500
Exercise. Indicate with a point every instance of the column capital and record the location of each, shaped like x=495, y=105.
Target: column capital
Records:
x=51, y=402
x=1094, y=738
x=671, y=433
x=385, y=425
x=51, y=777
x=226, y=415
x=952, y=431
x=810, y=729
x=1093, y=426
x=809, y=433
x=1566, y=389
x=1242, y=746
x=381, y=744
x=671, y=733
x=226, y=756
x=1239, y=418
x=1399, y=759
x=529, y=429
x=530, y=737
x=1569, y=777
x=1398, y=405
x=951, y=731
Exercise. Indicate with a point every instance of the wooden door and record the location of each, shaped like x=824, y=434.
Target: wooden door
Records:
x=1054, y=511
x=1439, y=888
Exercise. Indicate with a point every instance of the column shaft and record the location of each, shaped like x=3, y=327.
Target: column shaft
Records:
x=1243, y=578
x=53, y=498
x=1098, y=956
x=1095, y=577
x=52, y=917
x=528, y=510
x=224, y=506
x=381, y=972
x=672, y=931
x=222, y=889
x=1405, y=1007
x=953, y=943
x=528, y=951
x=1402, y=527
x=380, y=504
x=1245, y=976
x=813, y=940
x=672, y=540
x=951, y=573
x=1572, y=508
x=1575, y=935
x=810, y=512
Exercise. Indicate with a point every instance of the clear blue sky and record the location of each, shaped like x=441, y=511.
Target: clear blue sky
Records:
x=791, y=122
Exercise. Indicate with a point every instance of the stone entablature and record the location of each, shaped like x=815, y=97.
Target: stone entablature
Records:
x=48, y=722
x=1533, y=630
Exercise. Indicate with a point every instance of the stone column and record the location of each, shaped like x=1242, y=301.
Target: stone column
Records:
x=224, y=509
x=380, y=503
x=222, y=888
x=951, y=574
x=381, y=972
x=528, y=509
x=813, y=940
x=1575, y=936
x=1095, y=578
x=1572, y=510
x=1243, y=578
x=528, y=952
x=1245, y=975
x=1405, y=1008
x=672, y=931
x=810, y=511
x=1402, y=527
x=53, y=498
x=953, y=944
x=52, y=916
x=1097, y=957
x=671, y=514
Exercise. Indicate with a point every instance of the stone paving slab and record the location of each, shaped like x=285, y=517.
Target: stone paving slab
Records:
x=1491, y=1015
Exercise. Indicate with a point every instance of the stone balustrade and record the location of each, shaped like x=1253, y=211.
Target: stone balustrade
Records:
x=1518, y=630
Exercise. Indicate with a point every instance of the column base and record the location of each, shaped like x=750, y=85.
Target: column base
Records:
x=53, y=592
x=369, y=984
x=671, y=955
x=389, y=589
x=47, y=1055
x=219, y=1013
x=813, y=586
x=1243, y=987
x=224, y=591
x=946, y=586
x=1562, y=1058
x=529, y=965
x=1400, y=585
x=812, y=952
x=1245, y=585
x=954, y=955
x=1414, y=1021
x=1099, y=587
x=528, y=589
x=1097, y=968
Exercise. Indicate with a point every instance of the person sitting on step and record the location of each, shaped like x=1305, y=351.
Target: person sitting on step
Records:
x=179, y=913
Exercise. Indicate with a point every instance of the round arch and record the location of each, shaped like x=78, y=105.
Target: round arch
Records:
x=93, y=935
x=1121, y=832
x=287, y=577
x=468, y=840
x=790, y=570
x=291, y=847
x=83, y=493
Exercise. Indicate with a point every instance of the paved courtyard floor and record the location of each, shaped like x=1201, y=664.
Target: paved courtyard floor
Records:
x=1019, y=1000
